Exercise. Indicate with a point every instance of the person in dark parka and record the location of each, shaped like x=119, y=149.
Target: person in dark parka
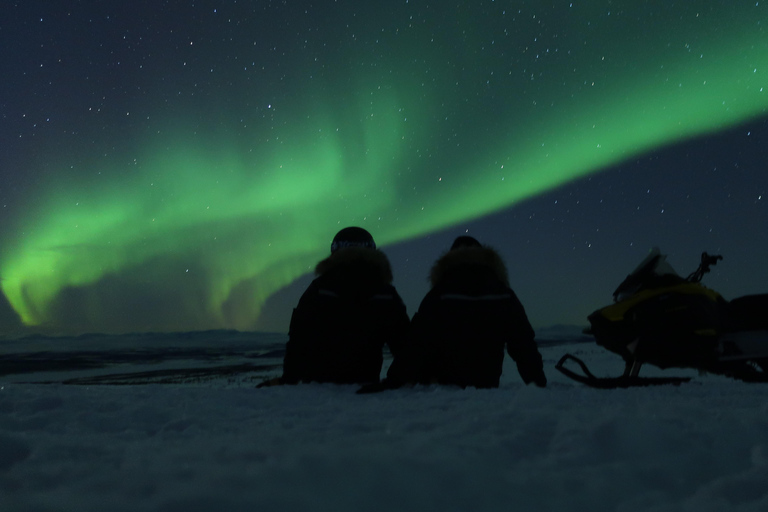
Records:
x=346, y=316
x=459, y=333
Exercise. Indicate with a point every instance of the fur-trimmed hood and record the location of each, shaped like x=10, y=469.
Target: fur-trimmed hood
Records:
x=462, y=258
x=371, y=261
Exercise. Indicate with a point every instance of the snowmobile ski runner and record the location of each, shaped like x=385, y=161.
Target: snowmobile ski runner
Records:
x=624, y=381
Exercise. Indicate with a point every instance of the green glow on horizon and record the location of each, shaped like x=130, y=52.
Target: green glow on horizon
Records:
x=243, y=223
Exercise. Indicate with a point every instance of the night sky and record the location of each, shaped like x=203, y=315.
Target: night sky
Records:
x=182, y=165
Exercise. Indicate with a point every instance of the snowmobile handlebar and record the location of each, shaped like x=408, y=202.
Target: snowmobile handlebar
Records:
x=707, y=260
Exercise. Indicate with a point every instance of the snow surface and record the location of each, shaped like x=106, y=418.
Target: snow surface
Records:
x=220, y=444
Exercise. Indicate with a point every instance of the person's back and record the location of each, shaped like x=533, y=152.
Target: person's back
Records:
x=460, y=332
x=345, y=316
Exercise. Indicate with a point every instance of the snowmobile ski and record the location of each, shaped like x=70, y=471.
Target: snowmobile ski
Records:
x=624, y=381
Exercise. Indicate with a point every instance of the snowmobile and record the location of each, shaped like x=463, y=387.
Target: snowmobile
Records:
x=660, y=318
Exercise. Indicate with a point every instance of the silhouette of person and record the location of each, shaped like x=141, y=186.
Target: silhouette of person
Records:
x=345, y=317
x=465, y=322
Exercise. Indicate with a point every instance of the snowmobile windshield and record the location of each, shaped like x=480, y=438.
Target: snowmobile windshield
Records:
x=654, y=271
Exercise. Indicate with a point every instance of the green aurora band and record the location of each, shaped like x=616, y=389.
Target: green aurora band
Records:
x=450, y=124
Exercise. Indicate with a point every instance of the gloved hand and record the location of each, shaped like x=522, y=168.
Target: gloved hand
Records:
x=277, y=381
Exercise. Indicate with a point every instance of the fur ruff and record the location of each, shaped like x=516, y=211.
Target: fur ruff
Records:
x=372, y=259
x=469, y=256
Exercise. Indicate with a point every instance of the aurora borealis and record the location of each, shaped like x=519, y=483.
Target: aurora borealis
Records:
x=173, y=166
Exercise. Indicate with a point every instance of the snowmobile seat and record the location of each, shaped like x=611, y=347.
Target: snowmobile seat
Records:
x=748, y=313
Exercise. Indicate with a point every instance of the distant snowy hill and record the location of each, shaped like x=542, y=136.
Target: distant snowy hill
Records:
x=168, y=357
x=562, y=334
x=142, y=358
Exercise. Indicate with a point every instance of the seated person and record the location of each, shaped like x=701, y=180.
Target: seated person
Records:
x=345, y=316
x=465, y=322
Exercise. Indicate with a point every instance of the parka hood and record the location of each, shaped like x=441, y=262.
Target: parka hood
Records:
x=371, y=261
x=463, y=258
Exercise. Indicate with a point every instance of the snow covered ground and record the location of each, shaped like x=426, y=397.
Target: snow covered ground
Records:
x=160, y=440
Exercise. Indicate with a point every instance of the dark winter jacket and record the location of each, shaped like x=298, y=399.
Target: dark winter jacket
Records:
x=343, y=320
x=465, y=322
